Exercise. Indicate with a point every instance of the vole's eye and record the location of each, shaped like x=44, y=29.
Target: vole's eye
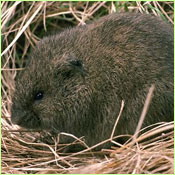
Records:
x=39, y=96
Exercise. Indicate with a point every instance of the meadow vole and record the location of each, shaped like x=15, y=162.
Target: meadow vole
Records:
x=75, y=80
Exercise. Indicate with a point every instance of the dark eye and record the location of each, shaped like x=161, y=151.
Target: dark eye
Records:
x=39, y=96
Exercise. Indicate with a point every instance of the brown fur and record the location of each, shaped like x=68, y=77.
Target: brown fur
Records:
x=82, y=74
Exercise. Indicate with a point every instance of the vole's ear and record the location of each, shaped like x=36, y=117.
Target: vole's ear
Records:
x=69, y=65
x=76, y=65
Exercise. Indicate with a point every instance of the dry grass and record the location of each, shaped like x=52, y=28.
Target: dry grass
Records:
x=21, y=153
x=22, y=26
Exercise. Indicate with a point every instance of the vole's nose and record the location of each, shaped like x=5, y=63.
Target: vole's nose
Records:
x=24, y=118
x=17, y=116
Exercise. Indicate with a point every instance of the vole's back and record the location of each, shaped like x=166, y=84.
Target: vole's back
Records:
x=84, y=73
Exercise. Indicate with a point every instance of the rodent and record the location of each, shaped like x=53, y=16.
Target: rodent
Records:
x=75, y=80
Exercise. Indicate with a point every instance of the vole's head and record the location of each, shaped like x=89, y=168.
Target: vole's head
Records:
x=48, y=91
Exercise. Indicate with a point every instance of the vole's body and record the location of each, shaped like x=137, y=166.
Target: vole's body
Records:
x=76, y=80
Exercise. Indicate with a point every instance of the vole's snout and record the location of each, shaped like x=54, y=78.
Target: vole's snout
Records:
x=25, y=119
x=16, y=116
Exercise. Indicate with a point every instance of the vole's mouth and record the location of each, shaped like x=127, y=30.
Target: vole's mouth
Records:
x=30, y=123
x=27, y=121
